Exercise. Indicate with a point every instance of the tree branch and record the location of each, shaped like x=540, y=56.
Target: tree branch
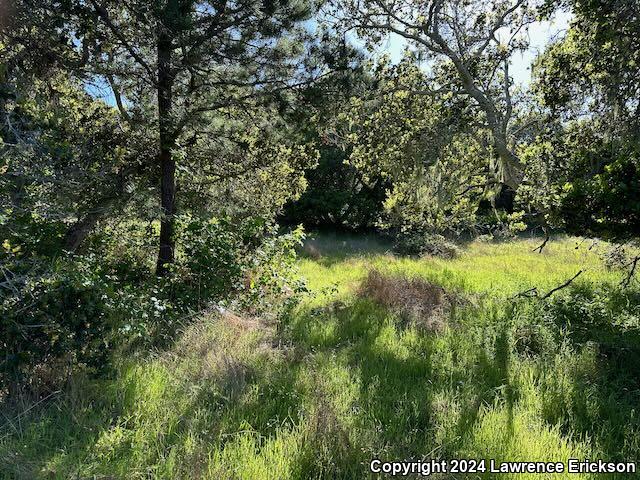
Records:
x=118, y=98
x=634, y=263
x=104, y=15
x=560, y=287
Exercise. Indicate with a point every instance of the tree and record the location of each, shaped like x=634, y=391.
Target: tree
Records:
x=65, y=161
x=170, y=65
x=475, y=38
x=337, y=195
x=595, y=68
x=589, y=83
x=427, y=149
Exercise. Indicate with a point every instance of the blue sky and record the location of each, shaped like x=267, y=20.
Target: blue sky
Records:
x=540, y=34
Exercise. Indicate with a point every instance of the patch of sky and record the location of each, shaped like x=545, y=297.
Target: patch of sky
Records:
x=540, y=34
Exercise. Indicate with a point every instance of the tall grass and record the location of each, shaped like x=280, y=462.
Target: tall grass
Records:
x=343, y=379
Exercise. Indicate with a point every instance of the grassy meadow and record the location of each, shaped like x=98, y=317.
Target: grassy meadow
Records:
x=344, y=379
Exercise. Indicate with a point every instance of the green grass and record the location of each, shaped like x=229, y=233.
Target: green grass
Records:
x=342, y=380
x=502, y=268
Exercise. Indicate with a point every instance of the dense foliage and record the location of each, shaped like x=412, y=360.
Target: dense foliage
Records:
x=588, y=82
x=77, y=311
x=337, y=196
x=160, y=160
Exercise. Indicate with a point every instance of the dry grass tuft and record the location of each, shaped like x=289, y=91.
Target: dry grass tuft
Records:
x=221, y=348
x=422, y=303
x=241, y=324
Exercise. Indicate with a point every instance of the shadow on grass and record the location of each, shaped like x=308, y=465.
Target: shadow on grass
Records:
x=330, y=248
x=602, y=396
x=149, y=419
x=492, y=373
x=399, y=380
x=152, y=417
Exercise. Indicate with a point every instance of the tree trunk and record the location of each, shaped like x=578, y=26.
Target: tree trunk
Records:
x=511, y=169
x=511, y=166
x=165, y=157
x=89, y=218
x=80, y=230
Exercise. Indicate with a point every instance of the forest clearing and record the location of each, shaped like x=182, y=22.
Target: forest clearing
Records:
x=319, y=239
x=345, y=379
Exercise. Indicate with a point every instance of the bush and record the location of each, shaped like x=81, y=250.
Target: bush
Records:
x=272, y=282
x=76, y=310
x=210, y=264
x=337, y=196
x=605, y=204
x=72, y=312
x=419, y=244
x=249, y=263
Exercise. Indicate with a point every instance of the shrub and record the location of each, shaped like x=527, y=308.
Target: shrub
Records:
x=606, y=203
x=272, y=282
x=337, y=196
x=74, y=311
x=71, y=311
x=249, y=263
x=210, y=264
x=419, y=243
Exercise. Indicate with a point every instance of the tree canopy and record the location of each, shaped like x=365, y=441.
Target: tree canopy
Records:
x=156, y=157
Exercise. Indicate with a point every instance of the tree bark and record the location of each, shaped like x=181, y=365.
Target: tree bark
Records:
x=166, y=252
x=89, y=218
x=80, y=230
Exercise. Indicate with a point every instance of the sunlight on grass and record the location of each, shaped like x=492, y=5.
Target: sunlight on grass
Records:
x=501, y=268
x=343, y=380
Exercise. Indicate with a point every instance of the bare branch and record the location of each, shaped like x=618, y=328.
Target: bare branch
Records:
x=560, y=287
x=530, y=293
x=544, y=243
x=118, y=98
x=104, y=15
x=633, y=264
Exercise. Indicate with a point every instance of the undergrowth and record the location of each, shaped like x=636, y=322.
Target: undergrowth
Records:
x=345, y=379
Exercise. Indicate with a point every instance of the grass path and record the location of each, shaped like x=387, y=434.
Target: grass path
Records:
x=343, y=380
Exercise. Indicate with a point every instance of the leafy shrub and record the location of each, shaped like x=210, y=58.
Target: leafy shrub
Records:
x=250, y=263
x=605, y=204
x=585, y=182
x=605, y=317
x=71, y=309
x=74, y=311
x=210, y=264
x=336, y=196
x=272, y=282
x=418, y=243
